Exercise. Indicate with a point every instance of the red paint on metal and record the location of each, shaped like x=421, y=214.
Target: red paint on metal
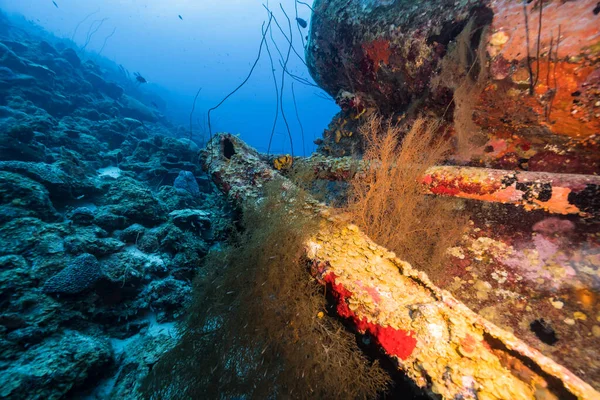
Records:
x=374, y=293
x=443, y=190
x=468, y=343
x=395, y=342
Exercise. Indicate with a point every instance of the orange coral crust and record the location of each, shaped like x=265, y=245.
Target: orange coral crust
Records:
x=579, y=28
x=378, y=51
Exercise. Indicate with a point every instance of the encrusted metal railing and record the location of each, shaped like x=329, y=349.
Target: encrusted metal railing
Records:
x=551, y=192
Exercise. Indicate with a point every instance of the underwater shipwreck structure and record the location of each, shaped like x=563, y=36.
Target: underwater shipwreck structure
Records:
x=435, y=339
x=516, y=88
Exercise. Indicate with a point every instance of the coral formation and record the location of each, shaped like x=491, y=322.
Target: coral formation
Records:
x=387, y=200
x=514, y=98
x=56, y=367
x=80, y=275
x=187, y=182
x=23, y=197
x=282, y=163
x=93, y=268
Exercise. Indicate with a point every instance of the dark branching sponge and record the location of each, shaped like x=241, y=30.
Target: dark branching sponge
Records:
x=80, y=275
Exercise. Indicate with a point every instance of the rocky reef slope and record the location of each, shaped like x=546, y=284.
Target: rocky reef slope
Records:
x=104, y=218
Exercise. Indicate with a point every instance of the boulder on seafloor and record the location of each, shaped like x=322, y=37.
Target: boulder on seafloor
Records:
x=52, y=369
x=132, y=234
x=15, y=46
x=16, y=141
x=57, y=178
x=89, y=239
x=23, y=197
x=133, y=108
x=9, y=59
x=127, y=272
x=139, y=357
x=135, y=201
x=79, y=276
x=47, y=174
x=9, y=79
x=29, y=234
x=175, y=199
x=56, y=105
x=166, y=296
x=15, y=275
x=186, y=181
x=106, y=219
x=189, y=219
x=46, y=47
x=132, y=123
x=71, y=56
x=82, y=216
x=111, y=89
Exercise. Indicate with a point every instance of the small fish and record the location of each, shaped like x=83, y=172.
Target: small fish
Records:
x=180, y=17
x=302, y=22
x=139, y=78
x=55, y=5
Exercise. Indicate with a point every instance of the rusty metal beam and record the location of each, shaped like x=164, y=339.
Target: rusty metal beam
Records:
x=551, y=192
x=554, y=193
x=436, y=340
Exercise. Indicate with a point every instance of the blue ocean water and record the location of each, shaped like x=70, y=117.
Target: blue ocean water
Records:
x=182, y=46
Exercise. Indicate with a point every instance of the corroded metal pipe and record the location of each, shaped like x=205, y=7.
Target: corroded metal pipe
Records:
x=436, y=340
x=554, y=193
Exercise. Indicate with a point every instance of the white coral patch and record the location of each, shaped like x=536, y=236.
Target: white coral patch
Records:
x=313, y=248
x=111, y=172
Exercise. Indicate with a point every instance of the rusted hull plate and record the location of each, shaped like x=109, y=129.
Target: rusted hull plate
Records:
x=440, y=343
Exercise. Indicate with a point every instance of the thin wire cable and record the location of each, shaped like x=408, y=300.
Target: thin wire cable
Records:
x=262, y=42
x=289, y=40
x=306, y=4
x=192, y=115
x=298, y=118
x=298, y=24
x=91, y=33
x=81, y=22
x=287, y=58
x=106, y=39
x=276, y=94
